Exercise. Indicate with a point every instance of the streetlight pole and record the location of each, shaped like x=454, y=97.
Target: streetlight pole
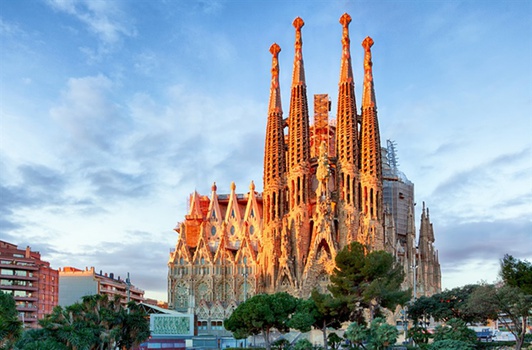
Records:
x=128, y=287
x=414, y=269
x=245, y=292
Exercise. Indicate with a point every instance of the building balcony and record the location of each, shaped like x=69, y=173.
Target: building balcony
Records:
x=26, y=298
x=19, y=278
x=18, y=287
x=27, y=308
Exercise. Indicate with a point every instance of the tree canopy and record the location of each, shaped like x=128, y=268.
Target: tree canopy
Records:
x=368, y=281
x=260, y=314
x=10, y=325
x=379, y=335
x=510, y=302
x=517, y=273
x=320, y=311
x=447, y=305
x=95, y=323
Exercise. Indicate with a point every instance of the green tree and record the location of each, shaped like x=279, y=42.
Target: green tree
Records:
x=10, y=325
x=451, y=344
x=378, y=336
x=368, y=281
x=422, y=309
x=455, y=329
x=97, y=323
x=302, y=344
x=357, y=334
x=38, y=339
x=320, y=311
x=420, y=335
x=517, y=273
x=511, y=303
x=260, y=314
x=334, y=341
x=382, y=335
x=447, y=305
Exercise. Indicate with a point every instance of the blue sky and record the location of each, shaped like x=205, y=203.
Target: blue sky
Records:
x=113, y=112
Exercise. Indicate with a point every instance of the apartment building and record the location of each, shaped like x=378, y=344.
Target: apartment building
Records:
x=75, y=283
x=32, y=282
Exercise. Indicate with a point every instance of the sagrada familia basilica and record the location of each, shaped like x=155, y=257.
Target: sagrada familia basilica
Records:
x=326, y=185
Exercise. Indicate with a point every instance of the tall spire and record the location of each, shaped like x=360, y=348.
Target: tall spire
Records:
x=346, y=116
x=347, y=142
x=346, y=72
x=274, y=197
x=368, y=97
x=298, y=163
x=275, y=91
x=298, y=75
x=298, y=124
x=371, y=152
x=370, y=160
x=274, y=150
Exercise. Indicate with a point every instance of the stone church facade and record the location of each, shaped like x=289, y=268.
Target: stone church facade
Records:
x=322, y=189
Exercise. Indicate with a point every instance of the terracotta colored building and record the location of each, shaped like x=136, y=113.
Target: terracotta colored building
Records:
x=32, y=282
x=75, y=283
x=323, y=188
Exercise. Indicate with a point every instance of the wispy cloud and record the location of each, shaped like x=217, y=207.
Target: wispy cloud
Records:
x=91, y=120
x=104, y=19
x=479, y=191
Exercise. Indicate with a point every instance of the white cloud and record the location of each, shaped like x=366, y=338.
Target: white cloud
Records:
x=103, y=18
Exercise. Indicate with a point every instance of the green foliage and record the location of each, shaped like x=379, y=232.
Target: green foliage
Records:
x=357, y=333
x=449, y=304
x=451, y=344
x=419, y=335
x=378, y=336
x=382, y=334
x=517, y=273
x=302, y=344
x=320, y=311
x=334, y=341
x=10, y=325
x=281, y=344
x=260, y=314
x=95, y=323
x=367, y=281
x=38, y=339
x=422, y=309
x=455, y=329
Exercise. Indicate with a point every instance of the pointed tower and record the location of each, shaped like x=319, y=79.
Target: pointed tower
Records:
x=347, y=144
x=370, y=160
x=429, y=276
x=274, y=203
x=298, y=178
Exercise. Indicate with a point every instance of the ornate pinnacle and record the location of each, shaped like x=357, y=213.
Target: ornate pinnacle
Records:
x=298, y=24
x=298, y=75
x=344, y=21
x=368, y=94
x=367, y=44
x=275, y=49
x=346, y=72
x=275, y=98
